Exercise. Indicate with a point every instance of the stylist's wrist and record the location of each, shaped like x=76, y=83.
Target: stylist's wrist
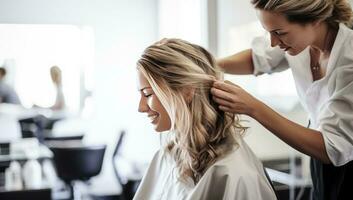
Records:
x=220, y=63
x=257, y=108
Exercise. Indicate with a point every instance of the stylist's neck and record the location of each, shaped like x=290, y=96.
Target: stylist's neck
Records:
x=325, y=37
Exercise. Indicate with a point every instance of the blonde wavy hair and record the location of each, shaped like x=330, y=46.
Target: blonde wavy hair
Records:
x=305, y=11
x=181, y=75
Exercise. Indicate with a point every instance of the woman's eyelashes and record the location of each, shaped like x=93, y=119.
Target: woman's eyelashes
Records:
x=147, y=95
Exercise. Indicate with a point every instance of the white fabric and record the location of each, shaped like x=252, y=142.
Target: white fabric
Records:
x=239, y=175
x=329, y=101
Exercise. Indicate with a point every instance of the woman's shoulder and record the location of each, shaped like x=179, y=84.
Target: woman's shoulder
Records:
x=240, y=162
x=159, y=161
x=161, y=156
x=238, y=175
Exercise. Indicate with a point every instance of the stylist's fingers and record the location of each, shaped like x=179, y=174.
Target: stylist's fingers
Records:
x=226, y=86
x=222, y=102
x=225, y=109
x=221, y=94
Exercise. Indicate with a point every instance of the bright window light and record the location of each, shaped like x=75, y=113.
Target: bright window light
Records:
x=30, y=51
x=181, y=19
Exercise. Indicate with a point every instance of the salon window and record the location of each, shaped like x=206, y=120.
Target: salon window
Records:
x=28, y=52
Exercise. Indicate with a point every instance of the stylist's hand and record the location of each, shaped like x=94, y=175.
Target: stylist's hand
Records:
x=234, y=99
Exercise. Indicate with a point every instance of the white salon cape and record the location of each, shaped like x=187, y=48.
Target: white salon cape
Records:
x=239, y=175
x=328, y=101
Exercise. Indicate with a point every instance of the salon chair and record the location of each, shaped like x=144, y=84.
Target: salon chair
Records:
x=77, y=163
x=41, y=127
x=33, y=127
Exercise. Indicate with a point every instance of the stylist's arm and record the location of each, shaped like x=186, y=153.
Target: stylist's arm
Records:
x=234, y=99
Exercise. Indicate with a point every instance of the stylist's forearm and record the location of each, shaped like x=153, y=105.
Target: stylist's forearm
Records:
x=239, y=63
x=303, y=139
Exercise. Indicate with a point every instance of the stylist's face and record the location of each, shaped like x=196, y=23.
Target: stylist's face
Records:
x=291, y=37
x=150, y=104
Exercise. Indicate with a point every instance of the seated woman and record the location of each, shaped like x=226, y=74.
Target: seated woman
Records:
x=205, y=156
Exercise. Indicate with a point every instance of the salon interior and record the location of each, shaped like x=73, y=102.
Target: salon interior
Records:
x=83, y=138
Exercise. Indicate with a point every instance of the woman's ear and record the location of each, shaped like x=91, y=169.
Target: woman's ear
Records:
x=188, y=93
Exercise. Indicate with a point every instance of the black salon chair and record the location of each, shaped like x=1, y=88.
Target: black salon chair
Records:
x=77, y=163
x=33, y=127
x=129, y=185
x=270, y=181
x=41, y=127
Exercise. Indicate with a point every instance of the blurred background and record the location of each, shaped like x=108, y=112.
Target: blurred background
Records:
x=91, y=109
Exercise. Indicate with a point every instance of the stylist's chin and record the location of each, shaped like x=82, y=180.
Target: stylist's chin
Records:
x=293, y=52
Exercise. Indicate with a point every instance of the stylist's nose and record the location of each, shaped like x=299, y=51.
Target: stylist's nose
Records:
x=275, y=40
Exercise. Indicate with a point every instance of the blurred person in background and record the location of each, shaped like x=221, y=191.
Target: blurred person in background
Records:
x=56, y=76
x=7, y=93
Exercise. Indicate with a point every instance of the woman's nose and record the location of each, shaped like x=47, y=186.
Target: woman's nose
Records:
x=143, y=106
x=275, y=40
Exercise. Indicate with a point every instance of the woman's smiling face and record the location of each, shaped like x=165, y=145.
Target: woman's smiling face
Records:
x=150, y=104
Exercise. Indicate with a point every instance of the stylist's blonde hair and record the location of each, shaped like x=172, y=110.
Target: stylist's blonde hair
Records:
x=305, y=11
x=181, y=75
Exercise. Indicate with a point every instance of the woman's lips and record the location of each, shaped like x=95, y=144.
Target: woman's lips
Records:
x=153, y=118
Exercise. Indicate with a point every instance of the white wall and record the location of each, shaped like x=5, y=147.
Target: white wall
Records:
x=232, y=13
x=122, y=28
